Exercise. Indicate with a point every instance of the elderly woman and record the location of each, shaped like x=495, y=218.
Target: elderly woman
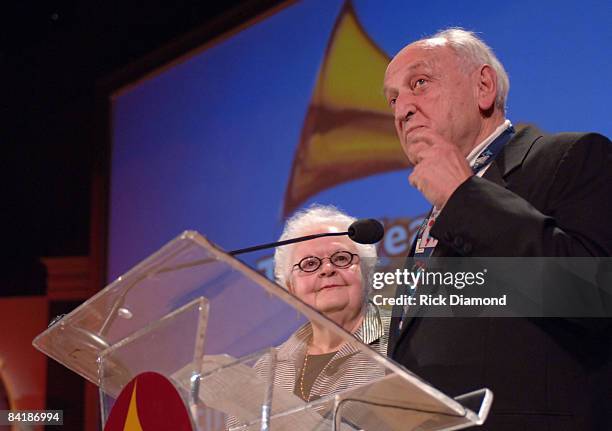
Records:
x=330, y=274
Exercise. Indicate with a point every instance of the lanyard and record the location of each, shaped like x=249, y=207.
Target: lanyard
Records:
x=488, y=154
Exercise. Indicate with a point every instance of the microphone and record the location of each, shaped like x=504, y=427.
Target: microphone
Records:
x=366, y=231
x=362, y=231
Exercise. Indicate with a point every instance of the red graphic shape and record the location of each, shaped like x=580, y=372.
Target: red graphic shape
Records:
x=158, y=404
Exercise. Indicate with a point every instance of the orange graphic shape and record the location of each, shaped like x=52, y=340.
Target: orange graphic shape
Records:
x=132, y=423
x=348, y=132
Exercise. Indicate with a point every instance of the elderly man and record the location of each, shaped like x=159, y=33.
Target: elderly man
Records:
x=497, y=192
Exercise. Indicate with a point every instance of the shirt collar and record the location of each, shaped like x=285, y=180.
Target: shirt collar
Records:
x=471, y=158
x=370, y=330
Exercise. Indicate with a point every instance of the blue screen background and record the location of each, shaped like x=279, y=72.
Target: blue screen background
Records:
x=208, y=143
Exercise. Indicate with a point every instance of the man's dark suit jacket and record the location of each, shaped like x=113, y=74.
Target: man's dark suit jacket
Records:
x=544, y=195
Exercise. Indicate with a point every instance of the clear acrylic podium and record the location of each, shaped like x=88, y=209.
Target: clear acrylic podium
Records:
x=210, y=323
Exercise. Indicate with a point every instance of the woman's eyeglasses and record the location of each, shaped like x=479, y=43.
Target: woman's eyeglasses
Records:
x=340, y=259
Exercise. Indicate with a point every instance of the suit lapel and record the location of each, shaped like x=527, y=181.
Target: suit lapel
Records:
x=512, y=155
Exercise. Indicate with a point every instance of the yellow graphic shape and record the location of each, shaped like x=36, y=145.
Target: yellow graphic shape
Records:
x=132, y=423
x=348, y=131
x=353, y=69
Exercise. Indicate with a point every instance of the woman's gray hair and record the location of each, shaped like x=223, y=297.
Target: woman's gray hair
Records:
x=304, y=222
x=473, y=52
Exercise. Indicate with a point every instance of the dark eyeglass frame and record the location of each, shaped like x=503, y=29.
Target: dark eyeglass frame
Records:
x=330, y=258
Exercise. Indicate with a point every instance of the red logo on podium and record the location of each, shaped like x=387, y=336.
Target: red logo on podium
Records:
x=150, y=402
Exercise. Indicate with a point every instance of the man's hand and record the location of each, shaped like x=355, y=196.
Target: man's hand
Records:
x=439, y=166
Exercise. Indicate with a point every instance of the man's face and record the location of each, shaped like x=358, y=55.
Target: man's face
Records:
x=428, y=88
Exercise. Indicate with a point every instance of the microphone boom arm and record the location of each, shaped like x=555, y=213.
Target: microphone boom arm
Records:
x=285, y=242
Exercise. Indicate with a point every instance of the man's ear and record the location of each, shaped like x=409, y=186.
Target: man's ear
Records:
x=486, y=88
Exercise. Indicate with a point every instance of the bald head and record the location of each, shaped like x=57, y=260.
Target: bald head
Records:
x=473, y=52
x=438, y=84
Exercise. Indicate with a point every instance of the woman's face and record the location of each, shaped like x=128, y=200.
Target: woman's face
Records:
x=329, y=289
